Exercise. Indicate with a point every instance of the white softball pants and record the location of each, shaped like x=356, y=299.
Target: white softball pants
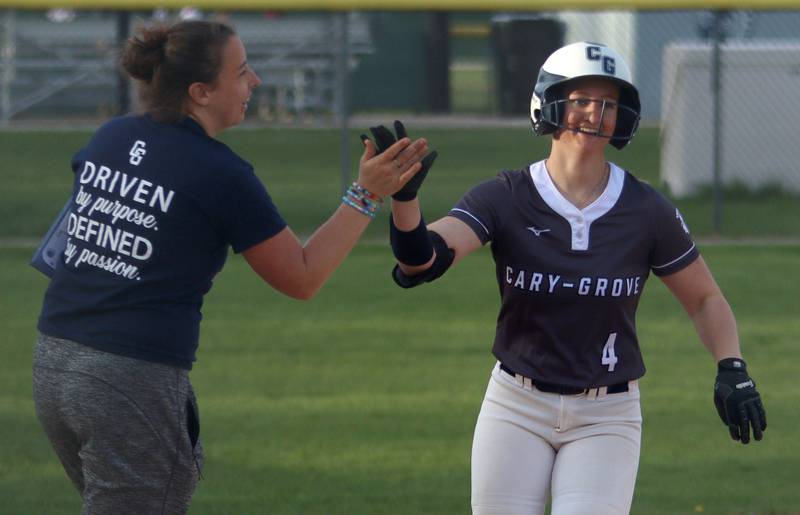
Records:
x=581, y=450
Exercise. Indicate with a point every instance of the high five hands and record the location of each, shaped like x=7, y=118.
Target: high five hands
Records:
x=385, y=143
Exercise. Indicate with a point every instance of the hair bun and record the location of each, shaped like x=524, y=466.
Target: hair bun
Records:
x=144, y=52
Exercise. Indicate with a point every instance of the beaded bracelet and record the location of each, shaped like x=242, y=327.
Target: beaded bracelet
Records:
x=362, y=200
x=365, y=192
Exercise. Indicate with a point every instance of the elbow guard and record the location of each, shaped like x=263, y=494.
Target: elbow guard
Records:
x=444, y=258
x=413, y=247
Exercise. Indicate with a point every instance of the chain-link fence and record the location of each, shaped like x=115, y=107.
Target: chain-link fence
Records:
x=62, y=63
x=717, y=86
x=739, y=103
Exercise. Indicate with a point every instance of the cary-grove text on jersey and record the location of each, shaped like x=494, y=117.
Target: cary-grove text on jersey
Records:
x=590, y=286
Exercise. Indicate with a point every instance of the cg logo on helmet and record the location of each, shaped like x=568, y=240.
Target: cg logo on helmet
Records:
x=577, y=61
x=593, y=53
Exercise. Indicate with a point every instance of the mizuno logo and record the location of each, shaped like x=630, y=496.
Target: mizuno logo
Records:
x=537, y=232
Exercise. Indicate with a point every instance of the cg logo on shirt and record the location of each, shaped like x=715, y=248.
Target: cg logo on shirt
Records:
x=137, y=152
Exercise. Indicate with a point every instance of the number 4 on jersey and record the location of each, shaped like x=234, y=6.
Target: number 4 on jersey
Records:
x=609, y=357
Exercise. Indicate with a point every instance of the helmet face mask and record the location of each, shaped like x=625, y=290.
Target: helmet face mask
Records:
x=575, y=62
x=555, y=115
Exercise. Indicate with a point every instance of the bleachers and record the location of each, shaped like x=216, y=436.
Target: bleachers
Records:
x=70, y=68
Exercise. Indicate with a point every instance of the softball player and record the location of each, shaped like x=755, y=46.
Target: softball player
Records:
x=574, y=238
x=157, y=204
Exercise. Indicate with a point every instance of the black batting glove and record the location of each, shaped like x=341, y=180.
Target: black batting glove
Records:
x=385, y=139
x=737, y=401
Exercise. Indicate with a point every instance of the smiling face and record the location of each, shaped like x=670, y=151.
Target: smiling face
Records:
x=230, y=92
x=590, y=112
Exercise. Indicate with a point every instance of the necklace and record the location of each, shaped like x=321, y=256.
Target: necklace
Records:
x=581, y=201
x=601, y=185
x=596, y=191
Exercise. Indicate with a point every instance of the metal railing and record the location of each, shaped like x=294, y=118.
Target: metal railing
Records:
x=50, y=67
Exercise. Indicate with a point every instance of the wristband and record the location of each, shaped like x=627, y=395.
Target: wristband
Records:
x=732, y=364
x=362, y=200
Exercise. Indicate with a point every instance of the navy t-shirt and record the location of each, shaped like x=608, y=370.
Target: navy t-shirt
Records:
x=156, y=207
x=570, y=279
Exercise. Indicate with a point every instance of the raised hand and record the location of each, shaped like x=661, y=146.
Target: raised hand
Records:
x=386, y=172
x=384, y=139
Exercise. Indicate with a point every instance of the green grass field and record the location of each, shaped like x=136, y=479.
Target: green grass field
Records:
x=301, y=170
x=363, y=400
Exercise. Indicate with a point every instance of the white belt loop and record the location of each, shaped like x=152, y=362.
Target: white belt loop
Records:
x=633, y=386
x=602, y=392
x=591, y=394
x=527, y=383
x=519, y=379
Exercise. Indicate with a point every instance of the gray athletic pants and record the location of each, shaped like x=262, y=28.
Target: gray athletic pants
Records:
x=125, y=430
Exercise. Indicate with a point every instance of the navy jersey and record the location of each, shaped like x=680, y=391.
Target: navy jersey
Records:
x=156, y=207
x=570, y=279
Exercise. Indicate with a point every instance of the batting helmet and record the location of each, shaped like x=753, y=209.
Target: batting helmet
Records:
x=579, y=61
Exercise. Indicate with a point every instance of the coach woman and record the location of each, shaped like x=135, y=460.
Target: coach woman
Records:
x=158, y=202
